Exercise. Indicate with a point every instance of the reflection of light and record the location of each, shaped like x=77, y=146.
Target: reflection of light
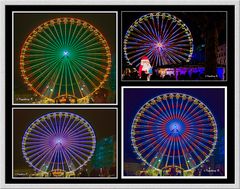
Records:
x=65, y=53
x=159, y=44
x=59, y=141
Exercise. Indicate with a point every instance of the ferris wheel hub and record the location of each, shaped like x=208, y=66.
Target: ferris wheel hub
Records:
x=159, y=44
x=65, y=53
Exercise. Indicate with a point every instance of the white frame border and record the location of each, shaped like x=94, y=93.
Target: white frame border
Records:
x=164, y=81
x=65, y=12
x=65, y=109
x=176, y=177
x=118, y=2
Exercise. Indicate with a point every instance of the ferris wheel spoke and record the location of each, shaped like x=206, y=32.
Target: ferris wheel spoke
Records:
x=59, y=39
x=83, y=149
x=73, y=125
x=51, y=39
x=168, y=35
x=42, y=44
x=82, y=72
x=193, y=150
x=166, y=32
x=91, y=63
x=172, y=36
x=47, y=41
x=202, y=136
x=80, y=38
x=89, y=73
x=196, y=113
x=138, y=38
x=42, y=131
x=66, y=152
x=65, y=33
x=56, y=39
x=76, y=80
x=66, y=159
x=85, y=42
x=70, y=78
x=153, y=30
x=160, y=143
x=169, y=108
x=56, y=122
x=155, y=116
x=76, y=131
x=144, y=33
x=178, y=38
x=184, y=153
x=196, y=143
x=69, y=124
x=52, y=124
x=178, y=56
x=46, y=69
x=169, y=150
x=74, y=39
x=72, y=34
x=165, y=108
x=61, y=33
x=79, y=132
x=38, y=157
x=42, y=51
x=75, y=154
x=78, y=41
x=38, y=61
x=149, y=32
x=178, y=153
x=164, y=29
x=195, y=118
x=160, y=110
x=35, y=151
x=45, y=128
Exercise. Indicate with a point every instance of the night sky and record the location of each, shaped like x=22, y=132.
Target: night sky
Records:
x=24, y=24
x=102, y=121
x=212, y=98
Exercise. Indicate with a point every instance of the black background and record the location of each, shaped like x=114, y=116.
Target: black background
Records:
x=229, y=84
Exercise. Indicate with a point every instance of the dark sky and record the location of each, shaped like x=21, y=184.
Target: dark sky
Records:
x=102, y=121
x=212, y=98
x=24, y=24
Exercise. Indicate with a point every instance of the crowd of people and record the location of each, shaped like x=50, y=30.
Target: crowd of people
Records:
x=133, y=74
x=147, y=72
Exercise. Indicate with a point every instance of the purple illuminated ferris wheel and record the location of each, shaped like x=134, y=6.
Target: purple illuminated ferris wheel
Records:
x=160, y=36
x=174, y=130
x=58, y=141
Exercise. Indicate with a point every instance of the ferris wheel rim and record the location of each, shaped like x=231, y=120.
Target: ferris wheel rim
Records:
x=98, y=35
x=69, y=114
x=142, y=20
x=140, y=156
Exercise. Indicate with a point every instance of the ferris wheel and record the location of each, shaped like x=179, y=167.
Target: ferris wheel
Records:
x=160, y=36
x=174, y=130
x=65, y=57
x=58, y=141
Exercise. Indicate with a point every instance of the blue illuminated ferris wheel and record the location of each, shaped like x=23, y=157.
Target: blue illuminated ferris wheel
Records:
x=160, y=36
x=174, y=130
x=58, y=141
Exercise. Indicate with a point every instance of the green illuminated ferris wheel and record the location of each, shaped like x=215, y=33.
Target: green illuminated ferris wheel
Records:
x=65, y=58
